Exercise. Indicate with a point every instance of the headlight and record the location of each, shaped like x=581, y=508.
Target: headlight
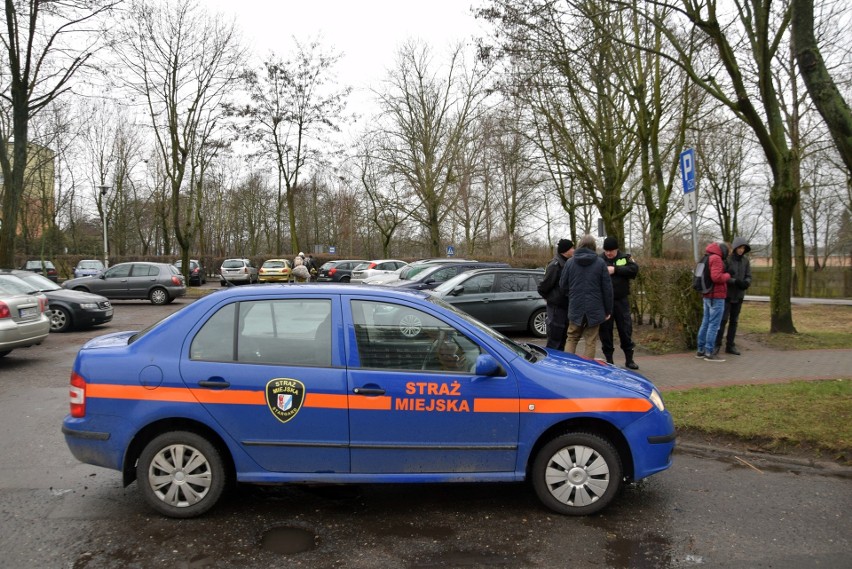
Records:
x=657, y=400
x=89, y=306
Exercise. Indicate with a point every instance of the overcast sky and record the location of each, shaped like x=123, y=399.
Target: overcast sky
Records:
x=367, y=32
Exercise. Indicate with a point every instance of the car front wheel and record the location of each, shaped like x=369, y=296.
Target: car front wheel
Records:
x=577, y=474
x=158, y=296
x=181, y=474
x=538, y=323
x=60, y=319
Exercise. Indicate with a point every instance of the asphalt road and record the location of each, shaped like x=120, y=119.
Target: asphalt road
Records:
x=708, y=510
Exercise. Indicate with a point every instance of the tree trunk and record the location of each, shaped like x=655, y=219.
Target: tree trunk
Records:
x=783, y=200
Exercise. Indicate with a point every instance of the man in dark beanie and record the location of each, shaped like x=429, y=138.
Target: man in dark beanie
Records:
x=557, y=303
x=622, y=269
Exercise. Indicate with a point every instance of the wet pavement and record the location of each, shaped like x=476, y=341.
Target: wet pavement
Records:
x=711, y=509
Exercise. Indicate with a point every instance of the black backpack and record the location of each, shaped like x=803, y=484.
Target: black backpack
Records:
x=701, y=280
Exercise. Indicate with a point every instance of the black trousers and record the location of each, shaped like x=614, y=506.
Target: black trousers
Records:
x=620, y=319
x=557, y=326
x=730, y=318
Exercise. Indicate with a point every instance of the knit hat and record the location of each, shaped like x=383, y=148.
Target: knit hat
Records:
x=564, y=245
x=610, y=244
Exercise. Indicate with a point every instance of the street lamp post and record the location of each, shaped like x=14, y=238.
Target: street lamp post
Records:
x=104, y=190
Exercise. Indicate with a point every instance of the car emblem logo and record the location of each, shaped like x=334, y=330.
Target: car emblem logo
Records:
x=285, y=397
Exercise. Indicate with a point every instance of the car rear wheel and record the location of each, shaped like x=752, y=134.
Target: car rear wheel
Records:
x=577, y=474
x=181, y=474
x=60, y=319
x=538, y=323
x=158, y=296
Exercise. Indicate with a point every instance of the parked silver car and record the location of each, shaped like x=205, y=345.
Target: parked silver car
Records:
x=88, y=268
x=160, y=283
x=23, y=321
x=375, y=267
x=237, y=271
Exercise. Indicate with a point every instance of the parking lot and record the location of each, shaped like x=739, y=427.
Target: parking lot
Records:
x=707, y=511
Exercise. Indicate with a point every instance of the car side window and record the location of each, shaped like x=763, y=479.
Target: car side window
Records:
x=144, y=271
x=215, y=341
x=288, y=332
x=513, y=283
x=443, y=274
x=118, y=272
x=480, y=284
x=392, y=336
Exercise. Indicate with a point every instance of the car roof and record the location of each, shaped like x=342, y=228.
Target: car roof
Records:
x=295, y=289
x=503, y=270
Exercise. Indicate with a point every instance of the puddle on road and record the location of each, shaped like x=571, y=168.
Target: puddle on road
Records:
x=288, y=540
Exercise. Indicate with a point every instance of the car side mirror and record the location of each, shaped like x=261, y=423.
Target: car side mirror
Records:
x=457, y=290
x=487, y=365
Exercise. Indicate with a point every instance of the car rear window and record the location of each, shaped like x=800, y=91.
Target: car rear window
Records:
x=273, y=264
x=233, y=264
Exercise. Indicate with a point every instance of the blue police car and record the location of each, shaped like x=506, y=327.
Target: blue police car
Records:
x=279, y=384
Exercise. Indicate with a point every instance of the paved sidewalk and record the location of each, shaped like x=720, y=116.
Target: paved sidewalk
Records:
x=757, y=364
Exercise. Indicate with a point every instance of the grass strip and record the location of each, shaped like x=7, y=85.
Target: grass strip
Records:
x=807, y=415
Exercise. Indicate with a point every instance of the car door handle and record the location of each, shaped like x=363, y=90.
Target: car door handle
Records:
x=368, y=391
x=214, y=383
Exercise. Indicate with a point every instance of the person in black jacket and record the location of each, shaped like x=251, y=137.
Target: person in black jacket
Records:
x=557, y=303
x=739, y=267
x=622, y=270
x=586, y=282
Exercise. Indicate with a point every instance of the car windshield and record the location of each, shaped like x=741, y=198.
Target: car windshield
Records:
x=38, y=264
x=91, y=265
x=361, y=267
x=39, y=282
x=410, y=271
x=10, y=284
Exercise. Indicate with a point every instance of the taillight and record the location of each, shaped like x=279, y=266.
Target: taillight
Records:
x=176, y=280
x=4, y=310
x=331, y=272
x=78, y=396
x=262, y=271
x=42, y=304
x=372, y=266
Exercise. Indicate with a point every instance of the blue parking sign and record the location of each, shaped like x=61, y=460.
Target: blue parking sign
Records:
x=687, y=174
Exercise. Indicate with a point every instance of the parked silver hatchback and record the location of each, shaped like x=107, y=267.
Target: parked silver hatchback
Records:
x=237, y=271
x=160, y=283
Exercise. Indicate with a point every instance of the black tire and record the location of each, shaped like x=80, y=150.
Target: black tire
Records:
x=158, y=295
x=166, y=484
x=60, y=319
x=577, y=474
x=538, y=323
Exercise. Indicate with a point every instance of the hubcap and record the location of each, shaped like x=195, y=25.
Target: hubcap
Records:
x=410, y=326
x=180, y=476
x=577, y=475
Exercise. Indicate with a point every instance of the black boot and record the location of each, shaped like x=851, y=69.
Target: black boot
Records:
x=630, y=364
x=609, y=359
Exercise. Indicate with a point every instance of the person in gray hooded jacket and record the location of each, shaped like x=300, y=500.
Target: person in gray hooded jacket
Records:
x=739, y=267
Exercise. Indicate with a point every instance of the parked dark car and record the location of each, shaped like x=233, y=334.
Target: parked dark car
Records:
x=160, y=283
x=67, y=309
x=429, y=275
x=197, y=275
x=45, y=268
x=338, y=271
x=505, y=299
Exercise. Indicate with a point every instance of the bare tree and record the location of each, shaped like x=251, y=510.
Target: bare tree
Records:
x=294, y=104
x=821, y=87
x=427, y=118
x=182, y=62
x=45, y=44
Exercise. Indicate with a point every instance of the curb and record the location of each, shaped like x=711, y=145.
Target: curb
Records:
x=769, y=461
